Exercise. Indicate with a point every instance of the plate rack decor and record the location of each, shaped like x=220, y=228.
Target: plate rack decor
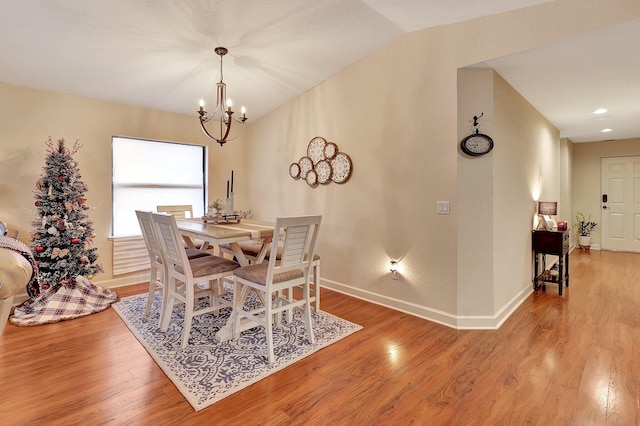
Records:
x=323, y=164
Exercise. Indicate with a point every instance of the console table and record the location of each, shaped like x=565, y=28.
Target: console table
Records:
x=550, y=243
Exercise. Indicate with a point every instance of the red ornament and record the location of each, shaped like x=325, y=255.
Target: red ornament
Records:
x=75, y=241
x=80, y=200
x=39, y=249
x=37, y=203
x=61, y=178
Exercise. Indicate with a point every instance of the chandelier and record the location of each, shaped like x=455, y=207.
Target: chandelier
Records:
x=222, y=116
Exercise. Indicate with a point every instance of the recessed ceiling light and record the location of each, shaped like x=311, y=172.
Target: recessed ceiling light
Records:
x=606, y=130
x=600, y=111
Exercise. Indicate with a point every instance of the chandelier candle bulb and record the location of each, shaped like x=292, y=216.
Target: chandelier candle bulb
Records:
x=231, y=182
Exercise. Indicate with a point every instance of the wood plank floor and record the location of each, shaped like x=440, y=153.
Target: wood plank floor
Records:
x=571, y=360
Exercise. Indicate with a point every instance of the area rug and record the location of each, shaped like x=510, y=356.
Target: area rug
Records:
x=207, y=371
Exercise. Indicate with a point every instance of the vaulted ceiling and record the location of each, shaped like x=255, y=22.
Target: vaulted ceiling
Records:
x=159, y=54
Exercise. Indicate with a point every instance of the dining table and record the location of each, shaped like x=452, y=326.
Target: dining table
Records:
x=228, y=233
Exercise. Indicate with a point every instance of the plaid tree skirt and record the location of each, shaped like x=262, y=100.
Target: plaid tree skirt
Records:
x=63, y=303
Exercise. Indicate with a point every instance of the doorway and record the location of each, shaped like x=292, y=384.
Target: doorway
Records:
x=620, y=202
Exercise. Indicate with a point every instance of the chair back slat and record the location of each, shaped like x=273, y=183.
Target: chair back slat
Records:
x=180, y=211
x=148, y=234
x=174, y=251
x=295, y=244
x=300, y=234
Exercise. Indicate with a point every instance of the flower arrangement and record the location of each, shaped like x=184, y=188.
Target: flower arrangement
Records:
x=216, y=207
x=585, y=226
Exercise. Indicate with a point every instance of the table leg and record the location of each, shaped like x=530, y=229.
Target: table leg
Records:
x=535, y=272
x=566, y=256
x=560, y=276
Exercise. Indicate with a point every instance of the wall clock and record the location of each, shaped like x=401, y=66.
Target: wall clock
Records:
x=476, y=145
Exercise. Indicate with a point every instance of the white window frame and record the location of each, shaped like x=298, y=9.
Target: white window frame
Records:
x=147, y=173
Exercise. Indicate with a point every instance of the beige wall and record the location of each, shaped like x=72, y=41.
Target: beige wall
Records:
x=497, y=195
x=395, y=113
x=28, y=117
x=587, y=177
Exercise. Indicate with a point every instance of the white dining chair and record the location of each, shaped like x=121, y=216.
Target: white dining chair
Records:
x=271, y=278
x=184, y=211
x=157, y=271
x=184, y=276
x=251, y=250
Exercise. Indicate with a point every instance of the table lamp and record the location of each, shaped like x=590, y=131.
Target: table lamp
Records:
x=546, y=209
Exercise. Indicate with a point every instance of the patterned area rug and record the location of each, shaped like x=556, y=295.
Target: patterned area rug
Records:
x=208, y=371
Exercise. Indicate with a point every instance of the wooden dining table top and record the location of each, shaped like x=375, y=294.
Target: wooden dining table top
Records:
x=226, y=232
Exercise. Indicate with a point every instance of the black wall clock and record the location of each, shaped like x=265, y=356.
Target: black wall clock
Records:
x=476, y=144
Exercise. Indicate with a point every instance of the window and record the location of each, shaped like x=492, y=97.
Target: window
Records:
x=150, y=173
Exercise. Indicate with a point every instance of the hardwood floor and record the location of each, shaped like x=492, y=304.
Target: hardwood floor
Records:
x=570, y=360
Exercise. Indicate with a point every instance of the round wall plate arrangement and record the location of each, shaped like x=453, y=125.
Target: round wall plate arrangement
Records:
x=306, y=165
x=324, y=171
x=323, y=164
x=294, y=170
x=315, y=150
x=341, y=168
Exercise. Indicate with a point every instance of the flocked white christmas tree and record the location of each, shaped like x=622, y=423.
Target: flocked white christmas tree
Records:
x=62, y=246
x=63, y=236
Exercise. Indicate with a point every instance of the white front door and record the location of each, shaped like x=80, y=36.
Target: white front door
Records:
x=620, y=203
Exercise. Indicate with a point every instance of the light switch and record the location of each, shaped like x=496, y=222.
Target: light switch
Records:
x=443, y=207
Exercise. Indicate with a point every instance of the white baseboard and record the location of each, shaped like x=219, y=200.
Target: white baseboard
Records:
x=458, y=322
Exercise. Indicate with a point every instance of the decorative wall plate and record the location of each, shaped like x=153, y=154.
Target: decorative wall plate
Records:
x=341, y=168
x=315, y=150
x=306, y=165
x=294, y=170
x=330, y=150
x=323, y=170
x=312, y=178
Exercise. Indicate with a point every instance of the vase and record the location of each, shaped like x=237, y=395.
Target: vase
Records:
x=584, y=241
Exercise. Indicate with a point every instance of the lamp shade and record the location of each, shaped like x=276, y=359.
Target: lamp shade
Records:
x=548, y=208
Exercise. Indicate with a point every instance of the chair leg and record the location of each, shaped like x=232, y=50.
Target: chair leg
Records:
x=307, y=314
x=165, y=296
x=150, y=296
x=240, y=293
x=269, y=328
x=169, y=301
x=188, y=317
x=316, y=285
